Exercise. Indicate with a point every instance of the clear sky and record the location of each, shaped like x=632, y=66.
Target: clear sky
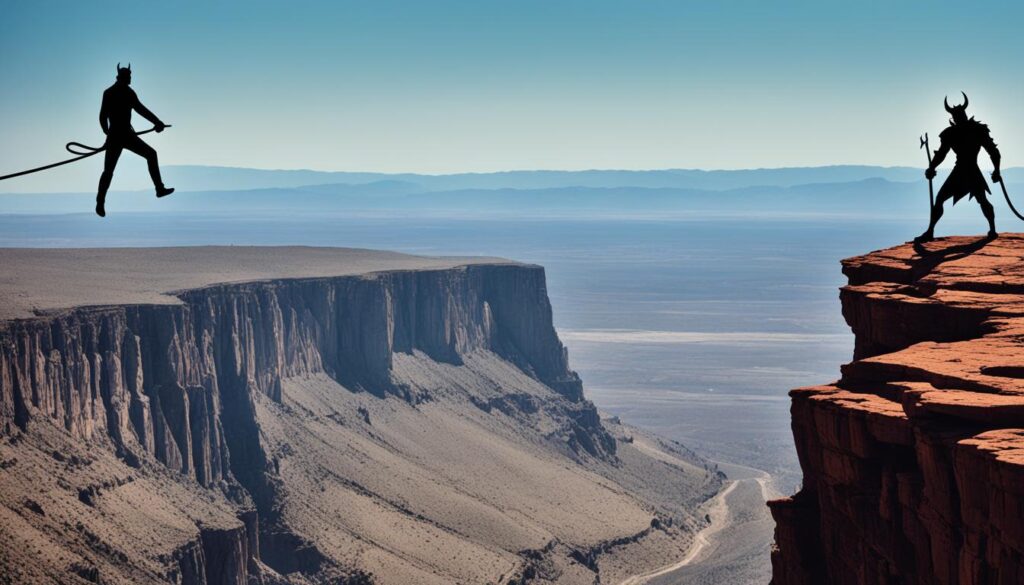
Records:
x=440, y=86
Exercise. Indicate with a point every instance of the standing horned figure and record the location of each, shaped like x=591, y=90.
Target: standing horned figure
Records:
x=116, y=120
x=965, y=137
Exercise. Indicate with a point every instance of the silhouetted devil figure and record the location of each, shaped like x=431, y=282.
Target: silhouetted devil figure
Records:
x=965, y=137
x=116, y=120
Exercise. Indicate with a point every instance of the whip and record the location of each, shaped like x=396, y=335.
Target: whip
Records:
x=82, y=150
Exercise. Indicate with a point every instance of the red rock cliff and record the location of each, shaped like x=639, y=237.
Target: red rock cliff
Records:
x=914, y=460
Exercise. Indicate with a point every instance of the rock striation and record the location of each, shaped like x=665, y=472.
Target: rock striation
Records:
x=385, y=389
x=913, y=460
x=165, y=380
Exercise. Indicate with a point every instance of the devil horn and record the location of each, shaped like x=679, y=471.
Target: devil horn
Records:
x=130, y=68
x=945, y=101
x=118, y=66
x=965, y=99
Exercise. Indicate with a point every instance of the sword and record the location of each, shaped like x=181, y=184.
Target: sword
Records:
x=928, y=153
x=1002, y=183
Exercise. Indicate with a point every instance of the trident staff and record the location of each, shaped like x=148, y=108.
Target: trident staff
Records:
x=928, y=154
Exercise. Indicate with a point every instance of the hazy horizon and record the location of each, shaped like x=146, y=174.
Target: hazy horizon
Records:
x=131, y=175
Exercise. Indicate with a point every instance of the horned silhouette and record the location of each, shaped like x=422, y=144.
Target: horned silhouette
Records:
x=960, y=107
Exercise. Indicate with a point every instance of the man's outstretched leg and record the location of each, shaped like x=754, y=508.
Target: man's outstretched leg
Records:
x=990, y=214
x=929, y=234
x=146, y=151
x=109, y=162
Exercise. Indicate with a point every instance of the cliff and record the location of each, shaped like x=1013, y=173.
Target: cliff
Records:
x=913, y=460
x=330, y=415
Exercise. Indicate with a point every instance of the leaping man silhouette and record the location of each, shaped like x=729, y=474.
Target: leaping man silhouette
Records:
x=116, y=120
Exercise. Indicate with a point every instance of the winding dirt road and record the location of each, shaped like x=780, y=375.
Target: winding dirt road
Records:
x=735, y=545
x=719, y=513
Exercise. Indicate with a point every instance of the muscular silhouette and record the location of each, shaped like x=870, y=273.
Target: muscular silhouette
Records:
x=965, y=137
x=116, y=120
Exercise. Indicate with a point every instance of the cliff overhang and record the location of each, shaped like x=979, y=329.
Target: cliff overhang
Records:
x=913, y=460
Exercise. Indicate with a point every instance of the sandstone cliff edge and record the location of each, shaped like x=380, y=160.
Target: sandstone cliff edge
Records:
x=913, y=460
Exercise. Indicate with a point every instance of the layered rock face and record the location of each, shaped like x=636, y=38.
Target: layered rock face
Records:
x=914, y=460
x=322, y=429
x=149, y=377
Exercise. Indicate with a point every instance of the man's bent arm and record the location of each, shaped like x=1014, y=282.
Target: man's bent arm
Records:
x=145, y=113
x=940, y=155
x=993, y=153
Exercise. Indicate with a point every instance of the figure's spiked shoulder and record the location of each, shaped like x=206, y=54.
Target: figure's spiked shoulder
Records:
x=977, y=131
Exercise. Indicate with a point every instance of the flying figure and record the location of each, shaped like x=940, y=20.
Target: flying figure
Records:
x=116, y=120
x=965, y=137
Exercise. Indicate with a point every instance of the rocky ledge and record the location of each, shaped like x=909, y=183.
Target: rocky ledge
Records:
x=913, y=461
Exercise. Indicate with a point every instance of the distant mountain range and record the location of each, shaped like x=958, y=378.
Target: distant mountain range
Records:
x=228, y=178
x=80, y=177
x=844, y=190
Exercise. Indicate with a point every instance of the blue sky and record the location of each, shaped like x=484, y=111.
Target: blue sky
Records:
x=484, y=85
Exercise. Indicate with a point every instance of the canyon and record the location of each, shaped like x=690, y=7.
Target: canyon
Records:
x=314, y=415
x=913, y=461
